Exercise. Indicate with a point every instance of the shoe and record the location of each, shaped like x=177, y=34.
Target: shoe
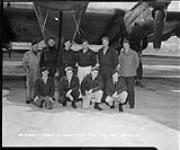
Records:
x=96, y=106
x=120, y=108
x=74, y=105
x=79, y=99
x=38, y=103
x=53, y=99
x=131, y=106
x=28, y=101
x=136, y=83
x=141, y=84
x=112, y=105
x=64, y=104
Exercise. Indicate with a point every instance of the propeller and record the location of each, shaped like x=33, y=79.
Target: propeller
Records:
x=158, y=28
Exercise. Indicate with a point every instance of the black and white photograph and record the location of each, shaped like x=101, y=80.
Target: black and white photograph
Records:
x=91, y=74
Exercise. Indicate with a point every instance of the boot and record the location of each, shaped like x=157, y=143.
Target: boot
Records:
x=74, y=105
x=64, y=104
x=39, y=103
x=28, y=101
x=96, y=106
x=112, y=105
x=120, y=108
x=48, y=104
x=141, y=84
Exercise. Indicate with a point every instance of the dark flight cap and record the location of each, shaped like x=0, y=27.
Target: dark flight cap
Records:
x=33, y=42
x=44, y=68
x=105, y=38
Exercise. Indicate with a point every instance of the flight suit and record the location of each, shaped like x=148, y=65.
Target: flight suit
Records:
x=108, y=62
x=49, y=59
x=31, y=64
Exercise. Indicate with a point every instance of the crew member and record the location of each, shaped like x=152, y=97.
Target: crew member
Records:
x=49, y=56
x=69, y=88
x=86, y=59
x=128, y=63
x=66, y=58
x=91, y=89
x=31, y=61
x=44, y=90
x=108, y=61
x=116, y=91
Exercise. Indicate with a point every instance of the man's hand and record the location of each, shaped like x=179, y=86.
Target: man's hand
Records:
x=68, y=94
x=97, y=65
x=36, y=98
x=71, y=98
x=118, y=67
x=114, y=95
x=76, y=65
x=51, y=99
x=90, y=91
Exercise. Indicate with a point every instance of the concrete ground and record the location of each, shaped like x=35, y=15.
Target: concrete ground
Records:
x=153, y=122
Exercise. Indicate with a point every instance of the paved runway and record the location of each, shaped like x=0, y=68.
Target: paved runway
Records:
x=153, y=122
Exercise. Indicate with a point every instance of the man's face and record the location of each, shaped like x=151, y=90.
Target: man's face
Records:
x=45, y=73
x=126, y=46
x=35, y=47
x=94, y=73
x=69, y=74
x=67, y=45
x=51, y=42
x=85, y=45
x=105, y=42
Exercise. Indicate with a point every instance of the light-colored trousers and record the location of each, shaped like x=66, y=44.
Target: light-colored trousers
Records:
x=82, y=72
x=121, y=98
x=94, y=97
x=31, y=78
x=41, y=99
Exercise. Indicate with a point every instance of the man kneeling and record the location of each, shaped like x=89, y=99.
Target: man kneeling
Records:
x=116, y=91
x=44, y=90
x=91, y=89
x=69, y=88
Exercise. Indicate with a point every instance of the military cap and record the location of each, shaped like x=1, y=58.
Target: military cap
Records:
x=69, y=68
x=33, y=42
x=44, y=68
x=105, y=38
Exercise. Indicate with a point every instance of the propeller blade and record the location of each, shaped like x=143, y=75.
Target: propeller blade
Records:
x=158, y=28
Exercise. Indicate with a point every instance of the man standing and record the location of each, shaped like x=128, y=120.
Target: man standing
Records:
x=44, y=90
x=108, y=61
x=66, y=58
x=69, y=88
x=116, y=91
x=128, y=63
x=86, y=59
x=91, y=89
x=31, y=65
x=49, y=56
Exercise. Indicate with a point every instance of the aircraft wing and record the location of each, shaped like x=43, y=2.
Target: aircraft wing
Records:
x=171, y=26
x=20, y=24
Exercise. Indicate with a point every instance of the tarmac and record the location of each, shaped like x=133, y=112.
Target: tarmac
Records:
x=154, y=122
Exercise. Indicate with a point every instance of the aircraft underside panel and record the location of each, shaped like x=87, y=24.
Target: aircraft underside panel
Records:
x=61, y=20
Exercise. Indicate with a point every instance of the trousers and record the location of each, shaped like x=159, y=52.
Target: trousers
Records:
x=94, y=97
x=120, y=99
